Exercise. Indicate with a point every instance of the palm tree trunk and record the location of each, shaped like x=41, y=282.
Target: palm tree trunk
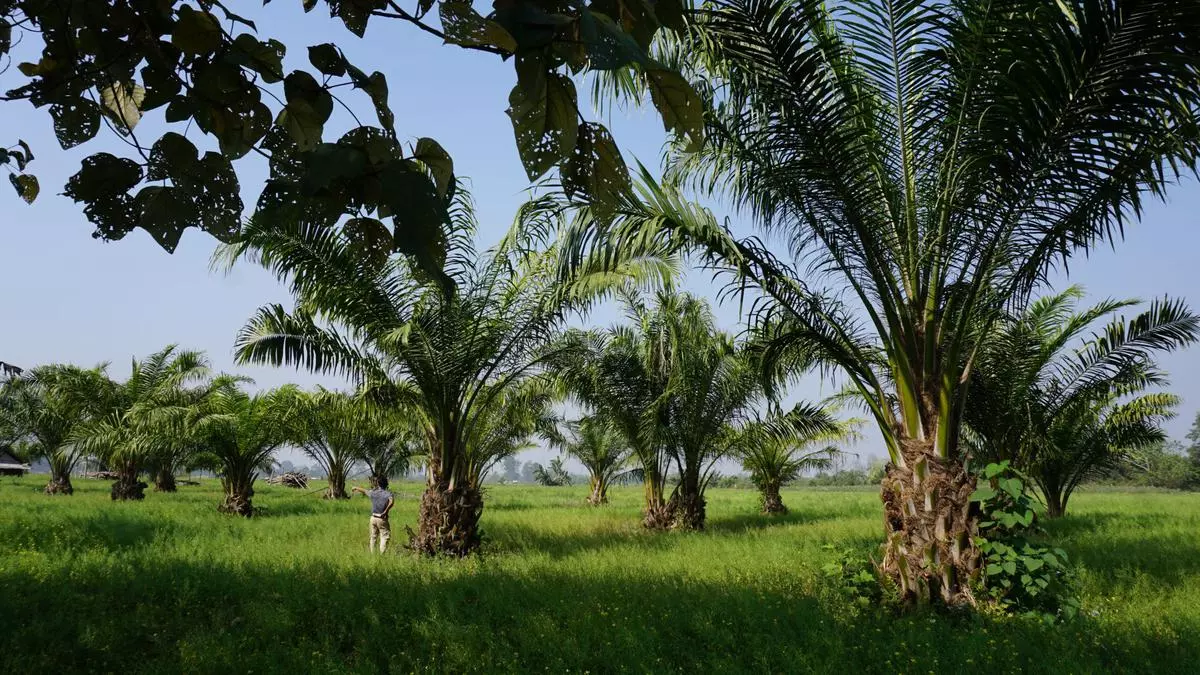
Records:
x=930, y=525
x=772, y=501
x=337, y=484
x=599, y=494
x=60, y=475
x=688, y=511
x=164, y=480
x=127, y=487
x=1056, y=504
x=59, y=485
x=239, y=491
x=448, y=520
x=659, y=513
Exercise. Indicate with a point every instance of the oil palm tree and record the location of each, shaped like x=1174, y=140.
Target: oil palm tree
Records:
x=1064, y=406
x=240, y=434
x=926, y=164
x=135, y=418
x=776, y=450
x=334, y=429
x=597, y=444
x=42, y=407
x=457, y=349
x=679, y=390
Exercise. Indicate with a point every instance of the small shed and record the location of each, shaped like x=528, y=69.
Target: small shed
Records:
x=11, y=466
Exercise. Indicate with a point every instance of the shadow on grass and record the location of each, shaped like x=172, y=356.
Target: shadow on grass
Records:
x=405, y=615
x=106, y=530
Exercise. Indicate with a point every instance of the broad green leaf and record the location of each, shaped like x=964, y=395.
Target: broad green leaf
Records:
x=264, y=58
x=356, y=13
x=75, y=121
x=308, y=107
x=370, y=238
x=543, y=110
x=982, y=494
x=438, y=161
x=122, y=102
x=419, y=216
x=608, y=47
x=328, y=59
x=1009, y=567
x=164, y=214
x=333, y=162
x=677, y=102
x=596, y=170
x=26, y=186
x=197, y=33
x=464, y=26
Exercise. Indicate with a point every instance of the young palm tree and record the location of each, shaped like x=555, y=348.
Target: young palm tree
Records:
x=141, y=415
x=683, y=397
x=43, y=406
x=240, y=433
x=333, y=429
x=1064, y=407
x=776, y=451
x=598, y=445
x=932, y=160
x=459, y=349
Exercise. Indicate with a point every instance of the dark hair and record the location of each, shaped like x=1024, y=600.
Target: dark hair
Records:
x=383, y=482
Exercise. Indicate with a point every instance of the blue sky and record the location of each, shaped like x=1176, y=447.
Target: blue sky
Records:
x=69, y=298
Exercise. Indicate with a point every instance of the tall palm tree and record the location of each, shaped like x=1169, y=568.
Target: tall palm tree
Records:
x=926, y=163
x=597, y=443
x=1064, y=406
x=776, y=451
x=136, y=417
x=458, y=350
x=241, y=433
x=43, y=406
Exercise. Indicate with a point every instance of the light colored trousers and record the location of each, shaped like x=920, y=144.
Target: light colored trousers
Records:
x=381, y=531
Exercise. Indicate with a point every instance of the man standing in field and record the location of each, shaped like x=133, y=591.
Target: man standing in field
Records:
x=381, y=504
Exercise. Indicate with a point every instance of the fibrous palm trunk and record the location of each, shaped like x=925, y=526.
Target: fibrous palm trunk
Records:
x=772, y=501
x=127, y=486
x=60, y=485
x=930, y=525
x=688, y=504
x=599, y=494
x=239, y=492
x=337, y=485
x=659, y=513
x=448, y=520
x=1056, y=505
x=164, y=480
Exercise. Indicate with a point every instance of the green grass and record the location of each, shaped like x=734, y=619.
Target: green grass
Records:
x=170, y=585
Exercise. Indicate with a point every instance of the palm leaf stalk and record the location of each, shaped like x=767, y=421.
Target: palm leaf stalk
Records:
x=1064, y=406
x=926, y=164
x=452, y=354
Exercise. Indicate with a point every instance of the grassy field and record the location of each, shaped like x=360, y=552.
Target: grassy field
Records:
x=170, y=585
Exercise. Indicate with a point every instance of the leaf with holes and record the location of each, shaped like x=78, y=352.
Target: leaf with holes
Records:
x=75, y=121
x=26, y=186
x=430, y=153
x=543, y=111
x=122, y=102
x=596, y=170
x=680, y=106
x=464, y=26
x=197, y=33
